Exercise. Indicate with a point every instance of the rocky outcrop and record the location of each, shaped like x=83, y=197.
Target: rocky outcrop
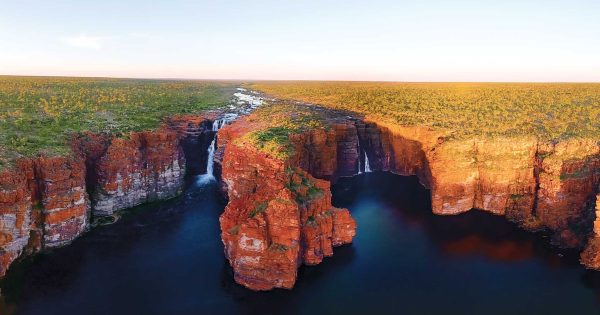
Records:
x=278, y=215
x=48, y=201
x=590, y=257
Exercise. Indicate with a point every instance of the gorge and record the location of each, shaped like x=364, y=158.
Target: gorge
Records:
x=539, y=186
x=279, y=213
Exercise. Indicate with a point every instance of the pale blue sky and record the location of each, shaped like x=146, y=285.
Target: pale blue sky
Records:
x=426, y=40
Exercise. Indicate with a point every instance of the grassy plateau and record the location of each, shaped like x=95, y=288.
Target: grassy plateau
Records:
x=40, y=114
x=551, y=112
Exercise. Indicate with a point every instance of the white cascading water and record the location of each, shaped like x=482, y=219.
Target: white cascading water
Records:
x=367, y=166
x=359, y=166
x=216, y=125
x=210, y=162
x=244, y=102
x=211, y=157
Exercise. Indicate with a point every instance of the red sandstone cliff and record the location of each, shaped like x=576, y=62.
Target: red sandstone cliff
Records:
x=535, y=184
x=147, y=166
x=278, y=215
x=44, y=202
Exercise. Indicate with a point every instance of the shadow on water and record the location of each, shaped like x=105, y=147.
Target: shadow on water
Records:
x=472, y=233
x=167, y=258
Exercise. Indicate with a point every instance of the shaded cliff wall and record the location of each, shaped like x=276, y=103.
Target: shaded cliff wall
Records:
x=195, y=135
x=538, y=185
x=48, y=202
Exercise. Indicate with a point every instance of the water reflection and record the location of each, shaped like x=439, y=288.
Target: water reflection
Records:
x=474, y=233
x=167, y=258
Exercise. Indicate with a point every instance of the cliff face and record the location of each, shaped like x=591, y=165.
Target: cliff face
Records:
x=48, y=202
x=590, y=257
x=536, y=185
x=43, y=203
x=195, y=135
x=146, y=167
x=278, y=215
x=65, y=204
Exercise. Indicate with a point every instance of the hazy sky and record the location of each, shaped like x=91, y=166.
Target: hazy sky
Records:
x=425, y=40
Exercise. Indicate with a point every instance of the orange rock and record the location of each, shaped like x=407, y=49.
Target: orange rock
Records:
x=47, y=206
x=44, y=203
x=537, y=185
x=278, y=216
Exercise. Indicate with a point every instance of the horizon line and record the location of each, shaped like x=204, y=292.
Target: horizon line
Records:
x=283, y=80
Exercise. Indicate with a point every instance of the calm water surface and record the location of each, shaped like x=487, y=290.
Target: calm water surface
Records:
x=167, y=258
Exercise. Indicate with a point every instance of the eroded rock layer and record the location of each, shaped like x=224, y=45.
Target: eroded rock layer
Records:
x=43, y=203
x=537, y=185
x=146, y=167
x=280, y=214
x=49, y=201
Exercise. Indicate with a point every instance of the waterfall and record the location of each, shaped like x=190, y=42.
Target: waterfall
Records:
x=367, y=166
x=210, y=163
x=242, y=103
x=359, y=166
x=216, y=125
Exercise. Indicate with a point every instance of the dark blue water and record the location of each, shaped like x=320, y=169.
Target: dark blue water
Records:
x=167, y=258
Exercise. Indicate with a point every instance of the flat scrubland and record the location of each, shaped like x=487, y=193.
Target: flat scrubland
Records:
x=40, y=114
x=551, y=112
x=272, y=125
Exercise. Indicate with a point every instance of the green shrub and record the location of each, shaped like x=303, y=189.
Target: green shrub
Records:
x=259, y=208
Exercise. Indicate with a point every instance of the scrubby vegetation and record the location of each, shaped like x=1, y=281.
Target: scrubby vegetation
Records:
x=303, y=188
x=275, y=140
x=278, y=247
x=259, y=208
x=548, y=111
x=275, y=123
x=38, y=114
